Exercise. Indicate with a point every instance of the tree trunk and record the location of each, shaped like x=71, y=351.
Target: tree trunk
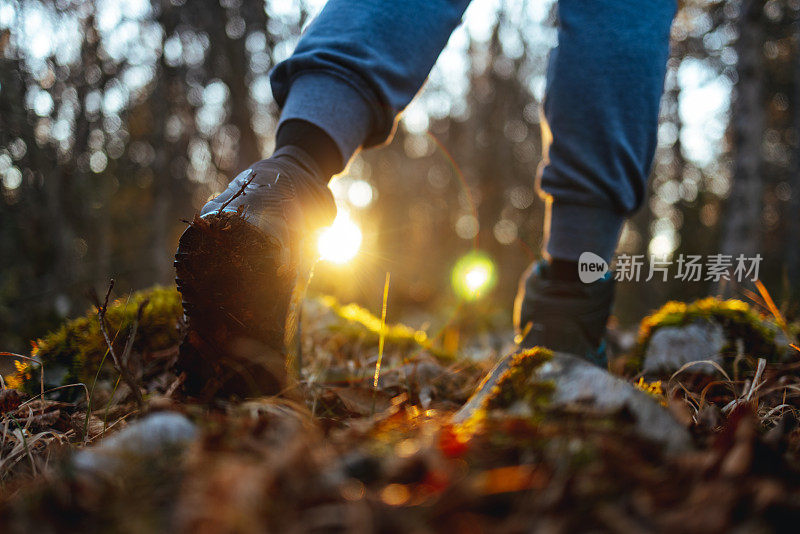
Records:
x=742, y=224
x=793, y=211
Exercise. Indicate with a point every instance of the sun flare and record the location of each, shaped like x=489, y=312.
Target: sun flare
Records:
x=340, y=242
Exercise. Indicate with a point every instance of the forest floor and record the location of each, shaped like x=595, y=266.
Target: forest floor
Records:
x=345, y=455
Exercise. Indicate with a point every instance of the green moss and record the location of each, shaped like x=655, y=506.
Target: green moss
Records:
x=78, y=347
x=738, y=320
x=512, y=386
x=515, y=384
x=73, y=352
x=358, y=322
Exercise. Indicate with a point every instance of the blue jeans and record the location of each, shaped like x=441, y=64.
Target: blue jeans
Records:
x=362, y=61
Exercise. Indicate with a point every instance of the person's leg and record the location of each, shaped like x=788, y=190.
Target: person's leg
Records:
x=242, y=264
x=360, y=63
x=604, y=86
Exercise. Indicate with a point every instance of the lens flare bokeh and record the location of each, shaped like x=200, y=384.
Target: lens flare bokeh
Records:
x=474, y=275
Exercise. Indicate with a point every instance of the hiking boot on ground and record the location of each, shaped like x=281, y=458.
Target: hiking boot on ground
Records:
x=556, y=310
x=241, y=267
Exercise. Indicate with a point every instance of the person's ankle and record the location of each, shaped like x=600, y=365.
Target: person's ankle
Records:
x=573, y=229
x=292, y=169
x=315, y=148
x=562, y=270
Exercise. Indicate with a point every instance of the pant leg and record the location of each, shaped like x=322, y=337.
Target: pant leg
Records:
x=605, y=80
x=360, y=62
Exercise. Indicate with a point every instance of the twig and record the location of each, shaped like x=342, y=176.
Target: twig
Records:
x=118, y=364
x=241, y=191
x=96, y=376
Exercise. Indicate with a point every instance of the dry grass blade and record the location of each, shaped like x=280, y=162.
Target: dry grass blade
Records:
x=65, y=386
x=382, y=335
x=713, y=364
x=771, y=305
x=22, y=442
x=24, y=447
x=708, y=387
x=757, y=383
x=781, y=407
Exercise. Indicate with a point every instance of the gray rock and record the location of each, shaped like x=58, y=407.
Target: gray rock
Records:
x=671, y=347
x=583, y=387
x=153, y=436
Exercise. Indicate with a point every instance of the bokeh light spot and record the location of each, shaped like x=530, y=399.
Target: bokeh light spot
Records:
x=473, y=276
x=467, y=227
x=360, y=194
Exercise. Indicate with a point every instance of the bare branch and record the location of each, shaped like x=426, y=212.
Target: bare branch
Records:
x=241, y=191
x=118, y=363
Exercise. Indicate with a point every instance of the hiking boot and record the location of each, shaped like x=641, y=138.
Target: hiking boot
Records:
x=242, y=266
x=554, y=312
x=564, y=314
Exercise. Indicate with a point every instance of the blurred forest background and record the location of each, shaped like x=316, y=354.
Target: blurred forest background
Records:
x=118, y=118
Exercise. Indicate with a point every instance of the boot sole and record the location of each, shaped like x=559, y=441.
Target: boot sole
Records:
x=240, y=304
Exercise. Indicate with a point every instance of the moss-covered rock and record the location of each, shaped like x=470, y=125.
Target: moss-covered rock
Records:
x=515, y=384
x=73, y=352
x=548, y=386
x=740, y=329
x=512, y=386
